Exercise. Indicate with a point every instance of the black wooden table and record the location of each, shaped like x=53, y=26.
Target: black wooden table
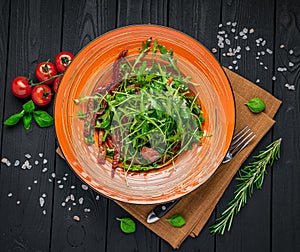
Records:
x=45, y=207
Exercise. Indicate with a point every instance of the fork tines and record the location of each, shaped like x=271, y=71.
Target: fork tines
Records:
x=241, y=139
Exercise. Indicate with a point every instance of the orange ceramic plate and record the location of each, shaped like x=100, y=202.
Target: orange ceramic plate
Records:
x=93, y=66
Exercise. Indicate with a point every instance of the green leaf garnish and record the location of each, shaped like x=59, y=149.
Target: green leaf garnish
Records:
x=256, y=105
x=42, y=118
x=177, y=220
x=14, y=119
x=27, y=120
x=127, y=225
x=29, y=106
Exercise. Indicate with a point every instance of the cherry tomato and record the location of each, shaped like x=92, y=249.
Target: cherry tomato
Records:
x=44, y=71
x=20, y=87
x=41, y=95
x=56, y=83
x=63, y=60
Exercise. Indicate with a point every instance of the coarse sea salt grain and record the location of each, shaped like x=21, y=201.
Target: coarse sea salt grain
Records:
x=214, y=50
x=290, y=87
x=35, y=181
x=72, y=197
x=27, y=155
x=18, y=202
x=87, y=210
x=77, y=218
x=63, y=204
x=29, y=188
x=291, y=64
x=45, y=161
x=17, y=162
x=53, y=175
x=80, y=201
x=9, y=195
x=44, y=195
x=97, y=197
x=41, y=154
x=42, y=201
x=274, y=78
x=36, y=162
x=45, y=169
x=73, y=187
x=44, y=212
x=84, y=187
x=61, y=186
x=291, y=51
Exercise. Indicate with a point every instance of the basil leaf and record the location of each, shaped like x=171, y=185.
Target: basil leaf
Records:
x=29, y=106
x=42, y=118
x=177, y=220
x=256, y=105
x=127, y=225
x=27, y=120
x=14, y=119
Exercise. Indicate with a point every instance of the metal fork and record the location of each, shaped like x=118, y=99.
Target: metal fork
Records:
x=239, y=141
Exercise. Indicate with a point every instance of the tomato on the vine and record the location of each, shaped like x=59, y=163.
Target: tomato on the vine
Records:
x=20, y=87
x=56, y=83
x=63, y=60
x=41, y=95
x=45, y=72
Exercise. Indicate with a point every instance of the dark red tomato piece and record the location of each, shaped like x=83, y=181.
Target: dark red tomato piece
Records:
x=20, y=87
x=45, y=72
x=63, y=60
x=41, y=95
x=56, y=83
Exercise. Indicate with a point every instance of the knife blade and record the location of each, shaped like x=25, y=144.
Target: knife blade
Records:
x=160, y=210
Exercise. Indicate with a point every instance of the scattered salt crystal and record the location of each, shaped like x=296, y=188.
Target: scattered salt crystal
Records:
x=220, y=25
x=58, y=181
x=63, y=204
x=281, y=46
x=247, y=48
x=70, y=208
x=41, y=154
x=45, y=161
x=97, y=197
x=221, y=45
x=29, y=188
x=35, y=181
x=214, y=50
x=221, y=32
x=265, y=67
x=50, y=180
x=80, y=201
x=61, y=186
x=236, y=37
x=17, y=162
x=18, y=202
x=257, y=58
x=257, y=81
x=72, y=197
x=227, y=41
x=67, y=198
x=45, y=169
x=262, y=53
x=261, y=63
x=42, y=201
x=84, y=187
x=281, y=69
x=291, y=51
x=27, y=155
x=258, y=53
x=224, y=54
x=9, y=195
x=229, y=67
x=36, y=162
x=291, y=64
x=234, y=62
x=269, y=51
x=245, y=37
x=251, y=30
x=226, y=35
x=274, y=78
x=263, y=43
x=53, y=175
x=241, y=34
x=239, y=56
x=228, y=23
x=44, y=195
x=233, y=30
x=4, y=160
x=236, y=67
x=77, y=218
x=44, y=212
x=66, y=174
x=72, y=187
x=74, y=203
x=86, y=210
x=290, y=87
x=64, y=178
x=234, y=24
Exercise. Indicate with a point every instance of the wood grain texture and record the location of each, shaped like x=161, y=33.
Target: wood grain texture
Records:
x=286, y=173
x=34, y=36
x=246, y=22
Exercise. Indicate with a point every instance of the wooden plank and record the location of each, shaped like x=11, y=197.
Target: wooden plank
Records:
x=245, y=22
x=200, y=20
x=4, y=31
x=25, y=222
x=286, y=173
x=80, y=215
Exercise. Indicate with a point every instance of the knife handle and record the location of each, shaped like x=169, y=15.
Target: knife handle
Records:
x=162, y=209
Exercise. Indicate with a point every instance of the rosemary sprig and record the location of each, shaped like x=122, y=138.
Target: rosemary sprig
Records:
x=249, y=176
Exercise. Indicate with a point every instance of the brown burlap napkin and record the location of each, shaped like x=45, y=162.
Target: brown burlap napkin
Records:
x=198, y=205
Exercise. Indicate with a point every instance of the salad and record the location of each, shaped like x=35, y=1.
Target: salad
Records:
x=147, y=115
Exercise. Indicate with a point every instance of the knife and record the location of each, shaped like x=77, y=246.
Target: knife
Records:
x=160, y=210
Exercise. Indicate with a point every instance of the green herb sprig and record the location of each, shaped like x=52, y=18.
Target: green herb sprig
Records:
x=250, y=176
x=42, y=118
